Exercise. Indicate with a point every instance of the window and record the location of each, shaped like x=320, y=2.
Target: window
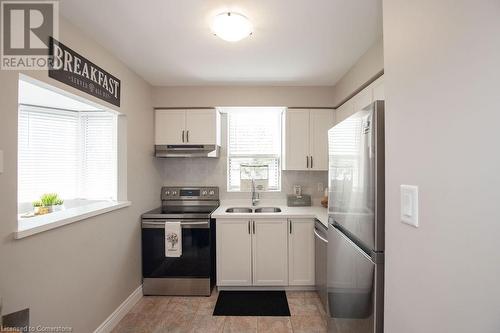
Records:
x=254, y=148
x=71, y=152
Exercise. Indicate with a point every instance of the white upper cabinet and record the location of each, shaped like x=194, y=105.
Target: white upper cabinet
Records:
x=373, y=92
x=202, y=127
x=306, y=139
x=296, y=140
x=270, y=254
x=187, y=126
x=301, y=252
x=170, y=126
x=320, y=121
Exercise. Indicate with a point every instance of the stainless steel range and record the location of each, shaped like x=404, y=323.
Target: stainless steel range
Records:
x=193, y=272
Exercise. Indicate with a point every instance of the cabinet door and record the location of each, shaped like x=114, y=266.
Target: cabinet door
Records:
x=270, y=255
x=234, y=253
x=378, y=89
x=169, y=126
x=296, y=139
x=301, y=252
x=201, y=126
x=320, y=121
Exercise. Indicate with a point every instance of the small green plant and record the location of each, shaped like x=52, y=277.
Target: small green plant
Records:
x=50, y=199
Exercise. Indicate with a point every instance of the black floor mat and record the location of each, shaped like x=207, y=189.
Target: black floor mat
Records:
x=252, y=303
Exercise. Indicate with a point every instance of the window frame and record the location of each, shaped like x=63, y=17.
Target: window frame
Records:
x=278, y=156
x=80, y=211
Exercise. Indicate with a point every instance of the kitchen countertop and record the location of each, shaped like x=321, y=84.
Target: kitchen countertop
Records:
x=316, y=212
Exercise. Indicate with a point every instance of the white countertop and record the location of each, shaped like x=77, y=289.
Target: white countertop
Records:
x=316, y=212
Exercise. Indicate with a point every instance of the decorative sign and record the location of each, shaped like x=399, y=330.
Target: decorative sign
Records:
x=71, y=68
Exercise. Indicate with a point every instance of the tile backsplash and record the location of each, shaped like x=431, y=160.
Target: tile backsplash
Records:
x=206, y=171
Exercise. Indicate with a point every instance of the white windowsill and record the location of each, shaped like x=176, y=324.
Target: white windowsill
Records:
x=34, y=225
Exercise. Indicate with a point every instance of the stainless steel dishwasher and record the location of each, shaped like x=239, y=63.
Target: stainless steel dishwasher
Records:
x=321, y=247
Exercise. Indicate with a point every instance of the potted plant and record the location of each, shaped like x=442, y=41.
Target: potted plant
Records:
x=39, y=209
x=51, y=201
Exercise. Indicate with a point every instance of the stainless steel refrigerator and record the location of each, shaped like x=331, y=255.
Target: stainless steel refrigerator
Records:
x=355, y=265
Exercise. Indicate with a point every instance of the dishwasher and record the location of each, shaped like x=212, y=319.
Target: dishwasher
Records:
x=320, y=245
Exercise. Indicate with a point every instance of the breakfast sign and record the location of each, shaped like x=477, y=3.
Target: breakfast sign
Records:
x=74, y=70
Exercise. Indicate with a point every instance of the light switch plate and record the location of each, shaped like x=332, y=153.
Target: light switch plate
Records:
x=409, y=205
x=1, y=161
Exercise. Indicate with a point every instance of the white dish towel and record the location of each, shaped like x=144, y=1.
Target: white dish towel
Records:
x=173, y=239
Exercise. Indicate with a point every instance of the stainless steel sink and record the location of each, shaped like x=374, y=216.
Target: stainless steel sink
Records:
x=268, y=210
x=239, y=210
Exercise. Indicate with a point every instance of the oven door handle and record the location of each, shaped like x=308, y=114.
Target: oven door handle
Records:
x=185, y=224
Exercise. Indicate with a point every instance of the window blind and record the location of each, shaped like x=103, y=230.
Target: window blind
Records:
x=67, y=152
x=254, y=138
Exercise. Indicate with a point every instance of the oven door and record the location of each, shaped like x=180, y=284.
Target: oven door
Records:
x=195, y=261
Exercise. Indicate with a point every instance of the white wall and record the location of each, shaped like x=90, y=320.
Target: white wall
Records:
x=442, y=91
x=192, y=96
x=78, y=274
x=368, y=66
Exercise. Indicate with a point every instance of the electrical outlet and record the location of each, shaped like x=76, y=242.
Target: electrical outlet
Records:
x=1, y=161
x=320, y=187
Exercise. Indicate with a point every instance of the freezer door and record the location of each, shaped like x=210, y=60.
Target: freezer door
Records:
x=356, y=176
x=355, y=287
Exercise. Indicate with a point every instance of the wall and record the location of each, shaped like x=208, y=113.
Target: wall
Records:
x=213, y=172
x=442, y=115
x=369, y=65
x=192, y=96
x=78, y=274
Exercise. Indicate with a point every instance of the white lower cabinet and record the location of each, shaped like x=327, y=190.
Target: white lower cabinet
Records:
x=270, y=253
x=301, y=252
x=265, y=252
x=234, y=252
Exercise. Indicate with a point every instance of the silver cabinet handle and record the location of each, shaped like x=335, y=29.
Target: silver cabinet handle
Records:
x=311, y=162
x=290, y=222
x=307, y=162
x=182, y=135
x=253, y=227
x=187, y=136
x=249, y=228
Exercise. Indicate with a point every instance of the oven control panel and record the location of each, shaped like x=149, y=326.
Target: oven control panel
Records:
x=189, y=193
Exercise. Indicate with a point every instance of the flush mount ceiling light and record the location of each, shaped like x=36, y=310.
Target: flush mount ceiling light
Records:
x=231, y=26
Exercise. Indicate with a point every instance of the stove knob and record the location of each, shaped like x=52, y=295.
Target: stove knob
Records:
x=174, y=192
x=212, y=192
x=167, y=192
x=204, y=192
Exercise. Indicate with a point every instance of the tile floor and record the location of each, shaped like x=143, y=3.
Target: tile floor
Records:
x=159, y=314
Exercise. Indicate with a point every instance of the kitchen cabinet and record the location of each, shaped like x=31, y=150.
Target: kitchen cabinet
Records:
x=187, y=126
x=301, y=251
x=234, y=252
x=373, y=92
x=270, y=254
x=306, y=139
x=252, y=252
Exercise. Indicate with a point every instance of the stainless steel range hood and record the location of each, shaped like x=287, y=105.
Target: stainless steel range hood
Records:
x=187, y=150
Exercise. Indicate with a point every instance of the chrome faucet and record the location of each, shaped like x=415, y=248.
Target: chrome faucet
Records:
x=255, y=195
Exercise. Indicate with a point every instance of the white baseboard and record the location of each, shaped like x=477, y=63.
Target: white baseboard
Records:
x=117, y=315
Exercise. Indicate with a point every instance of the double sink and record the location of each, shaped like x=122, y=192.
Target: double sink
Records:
x=256, y=210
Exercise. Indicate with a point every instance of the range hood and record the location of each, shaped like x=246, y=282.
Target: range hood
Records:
x=187, y=150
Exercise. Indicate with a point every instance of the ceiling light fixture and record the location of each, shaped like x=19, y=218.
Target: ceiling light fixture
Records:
x=231, y=26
